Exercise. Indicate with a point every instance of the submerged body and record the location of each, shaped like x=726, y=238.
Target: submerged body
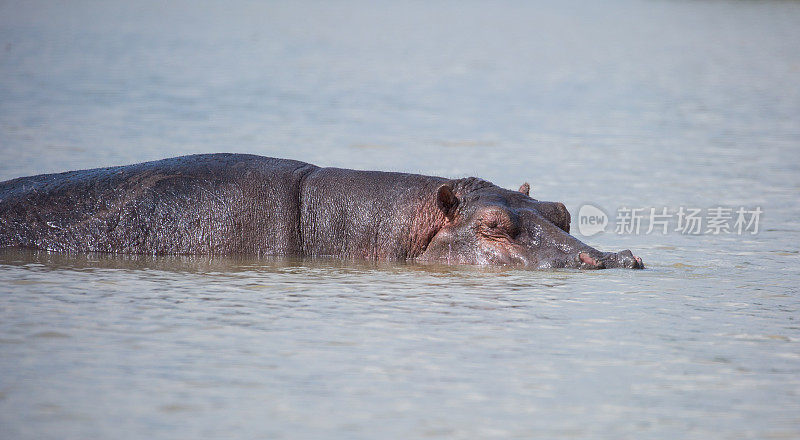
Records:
x=226, y=204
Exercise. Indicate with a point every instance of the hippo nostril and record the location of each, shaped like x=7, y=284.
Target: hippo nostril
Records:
x=589, y=262
x=585, y=258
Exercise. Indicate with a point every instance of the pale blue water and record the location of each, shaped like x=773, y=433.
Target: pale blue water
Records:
x=619, y=103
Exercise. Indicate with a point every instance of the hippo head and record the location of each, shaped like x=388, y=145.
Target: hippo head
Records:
x=488, y=225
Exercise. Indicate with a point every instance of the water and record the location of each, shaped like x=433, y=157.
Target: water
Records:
x=623, y=103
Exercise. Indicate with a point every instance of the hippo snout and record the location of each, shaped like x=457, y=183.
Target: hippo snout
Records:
x=609, y=260
x=624, y=259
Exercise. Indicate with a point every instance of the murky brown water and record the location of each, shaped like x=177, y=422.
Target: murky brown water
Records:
x=616, y=104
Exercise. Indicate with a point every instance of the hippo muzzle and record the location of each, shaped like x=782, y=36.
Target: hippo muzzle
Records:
x=609, y=260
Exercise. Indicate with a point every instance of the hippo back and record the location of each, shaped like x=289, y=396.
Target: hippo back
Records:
x=199, y=204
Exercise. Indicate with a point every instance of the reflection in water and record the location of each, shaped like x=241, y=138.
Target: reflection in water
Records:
x=323, y=346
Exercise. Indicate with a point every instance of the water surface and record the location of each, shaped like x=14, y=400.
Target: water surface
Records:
x=622, y=103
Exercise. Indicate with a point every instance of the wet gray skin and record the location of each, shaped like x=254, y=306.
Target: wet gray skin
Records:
x=491, y=227
x=234, y=204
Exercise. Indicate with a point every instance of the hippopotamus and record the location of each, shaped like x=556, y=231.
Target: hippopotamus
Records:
x=239, y=204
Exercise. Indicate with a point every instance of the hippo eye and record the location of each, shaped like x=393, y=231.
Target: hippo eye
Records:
x=498, y=224
x=491, y=222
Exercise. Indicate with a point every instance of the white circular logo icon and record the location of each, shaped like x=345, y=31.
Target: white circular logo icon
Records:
x=591, y=220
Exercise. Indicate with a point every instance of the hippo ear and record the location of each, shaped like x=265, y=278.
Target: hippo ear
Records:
x=525, y=188
x=446, y=200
